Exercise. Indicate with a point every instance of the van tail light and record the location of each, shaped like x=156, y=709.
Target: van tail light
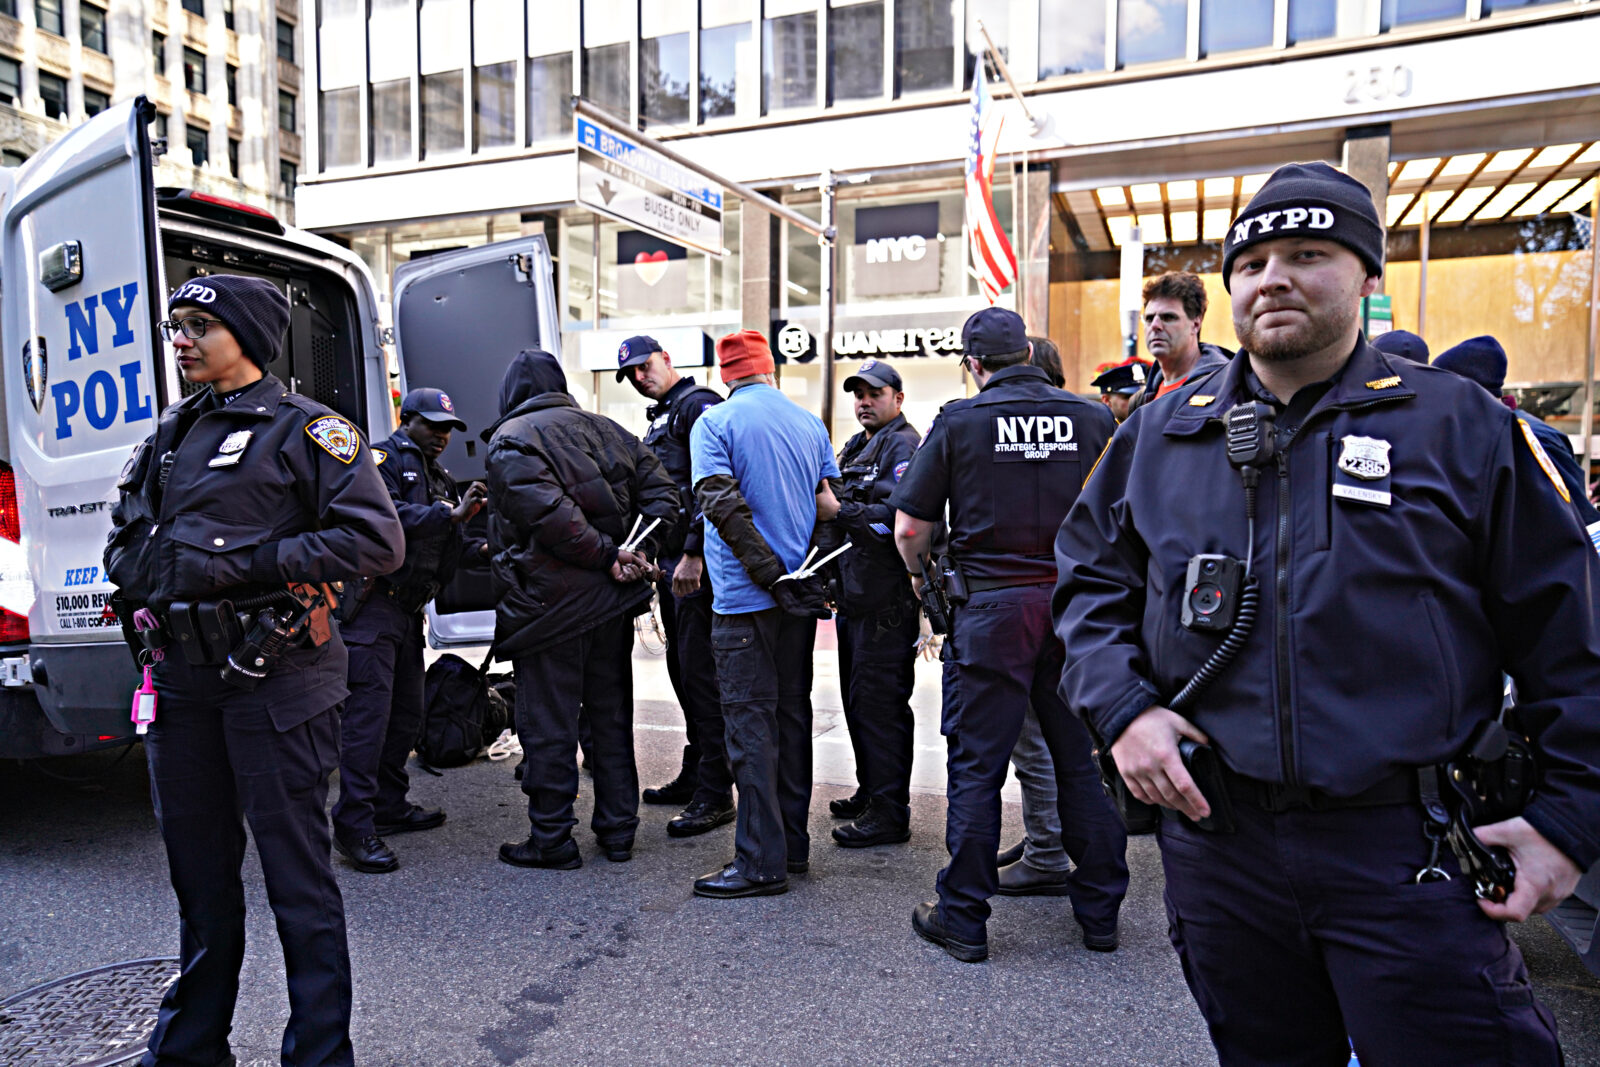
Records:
x=14, y=578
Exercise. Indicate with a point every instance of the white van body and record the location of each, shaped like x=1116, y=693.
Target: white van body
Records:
x=90, y=253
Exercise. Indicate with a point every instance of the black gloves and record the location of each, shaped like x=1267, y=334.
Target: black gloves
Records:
x=801, y=597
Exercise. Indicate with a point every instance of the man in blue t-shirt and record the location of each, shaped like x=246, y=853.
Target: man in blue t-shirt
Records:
x=760, y=467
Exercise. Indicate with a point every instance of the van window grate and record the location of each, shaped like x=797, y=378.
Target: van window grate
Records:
x=324, y=369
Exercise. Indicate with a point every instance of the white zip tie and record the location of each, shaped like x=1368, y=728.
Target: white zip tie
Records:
x=627, y=541
x=634, y=542
x=808, y=568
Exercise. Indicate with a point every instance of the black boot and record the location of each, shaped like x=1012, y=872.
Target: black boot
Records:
x=369, y=855
x=681, y=789
x=851, y=807
x=877, y=826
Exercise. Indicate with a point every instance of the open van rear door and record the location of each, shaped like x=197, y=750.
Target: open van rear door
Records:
x=459, y=318
x=82, y=376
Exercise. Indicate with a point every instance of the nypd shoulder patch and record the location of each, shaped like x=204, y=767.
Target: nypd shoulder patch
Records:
x=336, y=437
x=379, y=455
x=900, y=469
x=1545, y=463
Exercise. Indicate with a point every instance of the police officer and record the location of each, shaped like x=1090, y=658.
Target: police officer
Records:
x=1407, y=545
x=704, y=785
x=1119, y=385
x=243, y=489
x=381, y=620
x=1008, y=463
x=877, y=619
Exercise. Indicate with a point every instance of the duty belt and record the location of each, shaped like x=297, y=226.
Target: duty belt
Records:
x=1398, y=788
x=989, y=585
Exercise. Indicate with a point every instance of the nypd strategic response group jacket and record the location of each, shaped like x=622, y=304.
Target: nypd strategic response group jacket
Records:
x=1411, y=542
x=249, y=496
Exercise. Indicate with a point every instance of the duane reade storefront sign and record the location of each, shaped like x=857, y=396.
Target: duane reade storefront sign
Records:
x=896, y=250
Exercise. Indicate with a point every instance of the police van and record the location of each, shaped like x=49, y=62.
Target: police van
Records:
x=91, y=250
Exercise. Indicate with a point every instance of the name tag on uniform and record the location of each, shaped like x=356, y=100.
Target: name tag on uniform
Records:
x=1362, y=474
x=232, y=450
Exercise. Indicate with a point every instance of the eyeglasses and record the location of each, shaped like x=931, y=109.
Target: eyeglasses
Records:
x=193, y=328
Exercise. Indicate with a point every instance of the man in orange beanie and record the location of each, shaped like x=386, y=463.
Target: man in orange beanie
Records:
x=760, y=468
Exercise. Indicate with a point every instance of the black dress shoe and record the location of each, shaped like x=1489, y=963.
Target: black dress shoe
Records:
x=1023, y=879
x=1010, y=855
x=369, y=854
x=851, y=807
x=875, y=827
x=564, y=857
x=415, y=818
x=729, y=882
x=926, y=922
x=797, y=866
x=618, y=851
x=1101, y=941
x=700, y=817
x=679, y=791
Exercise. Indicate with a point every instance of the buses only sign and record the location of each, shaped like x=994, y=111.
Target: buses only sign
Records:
x=620, y=177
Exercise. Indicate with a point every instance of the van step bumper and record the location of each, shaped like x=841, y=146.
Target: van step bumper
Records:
x=1577, y=920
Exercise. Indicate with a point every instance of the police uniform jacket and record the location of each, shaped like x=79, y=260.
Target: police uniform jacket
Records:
x=1410, y=543
x=1211, y=357
x=564, y=488
x=1010, y=462
x=872, y=576
x=302, y=502
x=424, y=495
x=671, y=419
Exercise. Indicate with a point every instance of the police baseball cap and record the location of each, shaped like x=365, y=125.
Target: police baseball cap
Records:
x=433, y=405
x=1125, y=378
x=994, y=332
x=875, y=374
x=634, y=351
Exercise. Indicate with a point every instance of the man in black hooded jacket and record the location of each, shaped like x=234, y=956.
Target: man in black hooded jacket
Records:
x=566, y=487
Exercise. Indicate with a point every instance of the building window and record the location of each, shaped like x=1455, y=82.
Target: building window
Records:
x=48, y=15
x=1234, y=25
x=10, y=81
x=94, y=102
x=1491, y=6
x=286, y=110
x=198, y=141
x=1072, y=36
x=391, y=120
x=664, y=78
x=53, y=91
x=1312, y=20
x=227, y=13
x=8, y=7
x=789, y=61
x=605, y=77
x=339, y=127
x=233, y=157
x=194, y=71
x=549, y=97
x=726, y=59
x=196, y=6
x=1405, y=12
x=855, y=46
x=285, y=41
x=924, y=46
x=230, y=77
x=1150, y=31
x=158, y=52
x=494, y=106
x=92, y=26
x=443, y=115
x=287, y=176
x=158, y=128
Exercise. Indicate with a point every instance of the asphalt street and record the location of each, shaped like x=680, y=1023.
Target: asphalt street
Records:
x=461, y=960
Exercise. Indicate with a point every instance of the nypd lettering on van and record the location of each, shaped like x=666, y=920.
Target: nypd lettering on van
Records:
x=107, y=393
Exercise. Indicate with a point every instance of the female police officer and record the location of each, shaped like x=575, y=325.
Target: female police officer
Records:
x=243, y=489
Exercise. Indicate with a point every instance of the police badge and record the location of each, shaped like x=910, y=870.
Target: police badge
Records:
x=232, y=449
x=1366, y=460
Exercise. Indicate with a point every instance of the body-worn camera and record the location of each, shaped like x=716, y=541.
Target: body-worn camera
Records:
x=1211, y=593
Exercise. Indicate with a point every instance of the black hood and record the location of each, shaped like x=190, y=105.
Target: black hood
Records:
x=531, y=373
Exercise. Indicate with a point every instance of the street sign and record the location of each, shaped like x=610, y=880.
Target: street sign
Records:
x=622, y=178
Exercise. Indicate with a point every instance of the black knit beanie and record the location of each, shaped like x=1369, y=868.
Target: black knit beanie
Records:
x=254, y=310
x=1482, y=359
x=1308, y=200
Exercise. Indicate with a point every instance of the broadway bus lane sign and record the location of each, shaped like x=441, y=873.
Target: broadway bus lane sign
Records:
x=620, y=177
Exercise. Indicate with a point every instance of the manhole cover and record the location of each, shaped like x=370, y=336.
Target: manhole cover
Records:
x=90, y=1019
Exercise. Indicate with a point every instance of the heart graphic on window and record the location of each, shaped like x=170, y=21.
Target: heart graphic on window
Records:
x=652, y=266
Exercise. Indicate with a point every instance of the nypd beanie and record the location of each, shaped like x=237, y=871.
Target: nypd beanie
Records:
x=1482, y=359
x=1308, y=200
x=253, y=309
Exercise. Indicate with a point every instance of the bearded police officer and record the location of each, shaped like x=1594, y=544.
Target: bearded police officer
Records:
x=1008, y=463
x=1411, y=544
x=704, y=785
x=243, y=489
x=381, y=620
x=878, y=616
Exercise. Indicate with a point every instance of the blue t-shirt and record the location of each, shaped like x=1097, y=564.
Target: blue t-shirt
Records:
x=779, y=453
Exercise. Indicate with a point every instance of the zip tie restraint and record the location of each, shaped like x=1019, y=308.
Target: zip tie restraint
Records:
x=808, y=568
x=636, y=536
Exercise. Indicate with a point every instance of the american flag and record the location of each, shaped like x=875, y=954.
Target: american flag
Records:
x=992, y=256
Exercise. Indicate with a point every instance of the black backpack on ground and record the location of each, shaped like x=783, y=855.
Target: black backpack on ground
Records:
x=461, y=714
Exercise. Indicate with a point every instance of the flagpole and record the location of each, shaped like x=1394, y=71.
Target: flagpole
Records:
x=1005, y=72
x=1594, y=330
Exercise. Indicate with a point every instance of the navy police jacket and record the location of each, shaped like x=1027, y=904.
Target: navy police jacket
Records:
x=424, y=495
x=872, y=576
x=269, y=489
x=671, y=419
x=1009, y=462
x=1410, y=544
